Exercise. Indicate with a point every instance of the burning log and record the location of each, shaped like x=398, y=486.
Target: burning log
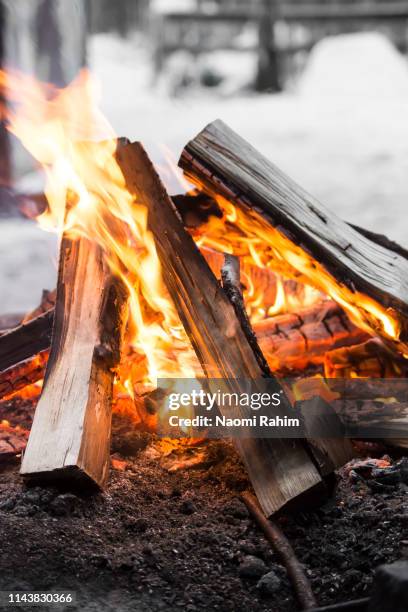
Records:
x=371, y=359
x=24, y=373
x=368, y=279
x=230, y=274
x=263, y=279
x=280, y=470
x=293, y=341
x=70, y=435
x=13, y=440
x=329, y=453
x=288, y=341
x=26, y=340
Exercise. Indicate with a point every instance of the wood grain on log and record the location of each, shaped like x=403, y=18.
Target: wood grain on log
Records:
x=70, y=436
x=367, y=278
x=280, y=470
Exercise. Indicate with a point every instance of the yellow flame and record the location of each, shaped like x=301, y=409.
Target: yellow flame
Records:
x=246, y=234
x=75, y=145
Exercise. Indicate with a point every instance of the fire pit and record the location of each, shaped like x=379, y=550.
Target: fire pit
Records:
x=244, y=278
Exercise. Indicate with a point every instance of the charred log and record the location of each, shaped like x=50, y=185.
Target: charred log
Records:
x=369, y=278
x=26, y=340
x=24, y=373
x=230, y=274
x=371, y=359
x=294, y=341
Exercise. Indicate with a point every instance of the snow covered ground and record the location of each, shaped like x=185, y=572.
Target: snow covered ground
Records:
x=343, y=135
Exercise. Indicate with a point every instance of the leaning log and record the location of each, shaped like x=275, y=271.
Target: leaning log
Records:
x=367, y=278
x=329, y=452
x=70, y=436
x=26, y=340
x=280, y=470
x=25, y=373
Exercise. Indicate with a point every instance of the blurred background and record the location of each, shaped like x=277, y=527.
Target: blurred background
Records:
x=320, y=87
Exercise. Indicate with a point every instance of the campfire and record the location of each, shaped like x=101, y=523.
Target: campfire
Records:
x=245, y=276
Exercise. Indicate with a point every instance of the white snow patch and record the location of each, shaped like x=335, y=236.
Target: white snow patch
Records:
x=366, y=64
x=28, y=257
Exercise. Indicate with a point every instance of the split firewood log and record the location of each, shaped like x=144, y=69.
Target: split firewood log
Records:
x=280, y=470
x=70, y=436
x=368, y=278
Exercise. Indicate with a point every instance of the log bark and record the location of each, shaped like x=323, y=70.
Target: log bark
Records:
x=295, y=341
x=331, y=254
x=70, y=436
x=280, y=470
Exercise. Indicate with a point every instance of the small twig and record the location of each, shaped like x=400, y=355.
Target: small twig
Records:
x=282, y=547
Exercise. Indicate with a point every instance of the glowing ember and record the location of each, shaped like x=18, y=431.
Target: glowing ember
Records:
x=249, y=236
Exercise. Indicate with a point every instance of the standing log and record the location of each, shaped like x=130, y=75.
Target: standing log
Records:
x=368, y=279
x=280, y=470
x=70, y=435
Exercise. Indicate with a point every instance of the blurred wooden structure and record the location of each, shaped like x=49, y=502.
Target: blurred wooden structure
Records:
x=120, y=16
x=284, y=28
x=47, y=39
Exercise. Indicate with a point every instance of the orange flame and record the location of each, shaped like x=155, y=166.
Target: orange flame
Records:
x=75, y=145
x=249, y=236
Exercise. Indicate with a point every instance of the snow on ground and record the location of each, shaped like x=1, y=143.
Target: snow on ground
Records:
x=343, y=136
x=28, y=263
